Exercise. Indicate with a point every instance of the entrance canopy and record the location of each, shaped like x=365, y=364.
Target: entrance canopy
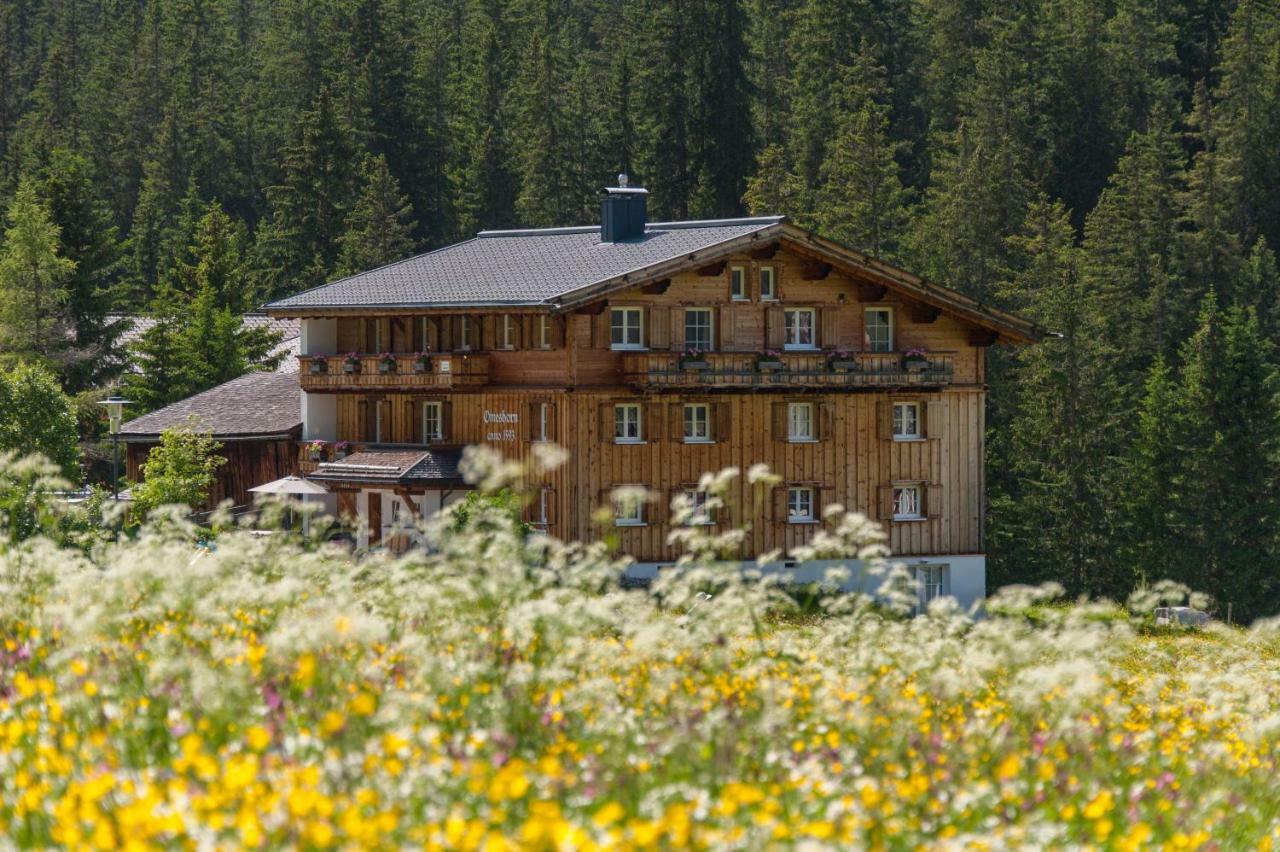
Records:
x=395, y=467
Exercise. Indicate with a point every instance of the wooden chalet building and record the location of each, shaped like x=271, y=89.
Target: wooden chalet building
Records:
x=654, y=352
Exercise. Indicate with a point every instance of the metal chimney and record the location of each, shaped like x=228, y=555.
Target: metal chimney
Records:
x=622, y=212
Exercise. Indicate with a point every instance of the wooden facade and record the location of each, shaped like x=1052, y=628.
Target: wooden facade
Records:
x=492, y=374
x=250, y=462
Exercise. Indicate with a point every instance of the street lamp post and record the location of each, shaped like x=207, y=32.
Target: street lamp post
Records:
x=115, y=408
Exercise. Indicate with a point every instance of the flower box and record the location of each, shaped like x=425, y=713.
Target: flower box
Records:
x=351, y=365
x=422, y=365
x=386, y=365
x=843, y=365
x=695, y=365
x=915, y=362
x=769, y=365
x=319, y=366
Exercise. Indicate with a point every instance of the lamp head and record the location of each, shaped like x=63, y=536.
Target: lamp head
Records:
x=115, y=408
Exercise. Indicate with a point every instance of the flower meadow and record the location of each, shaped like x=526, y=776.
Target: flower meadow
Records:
x=504, y=692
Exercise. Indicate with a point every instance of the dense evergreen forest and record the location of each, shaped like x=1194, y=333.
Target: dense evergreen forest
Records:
x=1110, y=168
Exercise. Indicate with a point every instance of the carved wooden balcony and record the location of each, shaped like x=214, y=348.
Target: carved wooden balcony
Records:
x=790, y=370
x=401, y=371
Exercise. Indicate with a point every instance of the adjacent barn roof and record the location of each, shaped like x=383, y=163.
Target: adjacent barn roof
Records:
x=289, y=329
x=256, y=405
x=515, y=268
x=394, y=466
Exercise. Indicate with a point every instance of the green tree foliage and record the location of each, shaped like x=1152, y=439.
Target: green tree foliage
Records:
x=180, y=470
x=33, y=280
x=379, y=228
x=37, y=417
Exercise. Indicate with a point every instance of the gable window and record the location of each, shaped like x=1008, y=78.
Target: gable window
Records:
x=799, y=324
x=432, y=422
x=508, y=331
x=906, y=421
x=768, y=282
x=626, y=423
x=697, y=424
x=800, y=422
x=544, y=332
x=697, y=328
x=878, y=330
x=906, y=503
x=626, y=328
x=628, y=513
x=701, y=514
x=800, y=508
x=737, y=283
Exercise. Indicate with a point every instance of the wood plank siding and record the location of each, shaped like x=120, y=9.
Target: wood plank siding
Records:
x=509, y=364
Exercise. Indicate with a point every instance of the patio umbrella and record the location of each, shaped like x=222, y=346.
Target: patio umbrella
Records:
x=293, y=486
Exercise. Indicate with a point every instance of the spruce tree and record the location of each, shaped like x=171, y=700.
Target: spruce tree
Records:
x=775, y=190
x=380, y=225
x=34, y=320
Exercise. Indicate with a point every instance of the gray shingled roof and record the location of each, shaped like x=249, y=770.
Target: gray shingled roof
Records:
x=399, y=466
x=254, y=405
x=289, y=329
x=518, y=267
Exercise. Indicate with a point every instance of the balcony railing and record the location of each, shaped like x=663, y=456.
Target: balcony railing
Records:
x=448, y=370
x=655, y=370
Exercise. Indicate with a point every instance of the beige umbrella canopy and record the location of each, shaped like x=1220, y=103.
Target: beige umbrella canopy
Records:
x=290, y=485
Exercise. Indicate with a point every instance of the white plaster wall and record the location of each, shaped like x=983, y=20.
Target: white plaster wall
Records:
x=319, y=337
x=319, y=416
x=966, y=577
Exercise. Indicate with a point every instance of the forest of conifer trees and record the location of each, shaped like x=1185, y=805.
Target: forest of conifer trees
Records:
x=1109, y=168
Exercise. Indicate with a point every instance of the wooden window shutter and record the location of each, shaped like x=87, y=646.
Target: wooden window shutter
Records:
x=723, y=428
x=933, y=500
x=487, y=333
x=827, y=327
x=724, y=329
x=385, y=343
x=885, y=502
x=659, y=327
x=415, y=421
x=774, y=322
x=652, y=422
x=780, y=495
x=368, y=335
x=935, y=419
x=677, y=329
x=348, y=334
x=779, y=424
x=675, y=417
x=826, y=421
x=368, y=420
x=606, y=422
x=532, y=419
x=556, y=332
x=529, y=331
x=600, y=330
x=446, y=421
x=347, y=506
x=884, y=420
x=517, y=331
x=419, y=341
x=823, y=496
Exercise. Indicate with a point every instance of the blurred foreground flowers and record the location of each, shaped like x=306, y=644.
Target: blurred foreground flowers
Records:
x=503, y=692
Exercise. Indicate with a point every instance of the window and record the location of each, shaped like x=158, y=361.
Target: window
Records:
x=628, y=513
x=432, y=422
x=701, y=514
x=906, y=421
x=626, y=423
x=800, y=422
x=737, y=283
x=768, y=280
x=800, y=505
x=697, y=328
x=544, y=332
x=799, y=324
x=508, y=331
x=464, y=332
x=906, y=503
x=932, y=580
x=544, y=507
x=626, y=328
x=697, y=424
x=878, y=330
x=542, y=417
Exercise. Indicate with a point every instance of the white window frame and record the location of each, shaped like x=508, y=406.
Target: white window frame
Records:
x=710, y=343
x=872, y=345
x=624, y=313
x=934, y=581
x=902, y=496
x=700, y=516
x=543, y=500
x=787, y=315
x=621, y=408
x=769, y=274
x=508, y=332
x=629, y=515
x=543, y=420
x=544, y=332
x=438, y=409
x=900, y=421
x=464, y=333
x=794, y=418
x=687, y=421
x=738, y=287
x=801, y=505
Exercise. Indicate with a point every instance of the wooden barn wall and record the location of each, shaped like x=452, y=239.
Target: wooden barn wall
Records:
x=249, y=464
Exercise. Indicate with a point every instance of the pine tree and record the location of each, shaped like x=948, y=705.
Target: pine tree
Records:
x=158, y=376
x=1210, y=254
x=33, y=280
x=722, y=148
x=774, y=190
x=1257, y=287
x=380, y=225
